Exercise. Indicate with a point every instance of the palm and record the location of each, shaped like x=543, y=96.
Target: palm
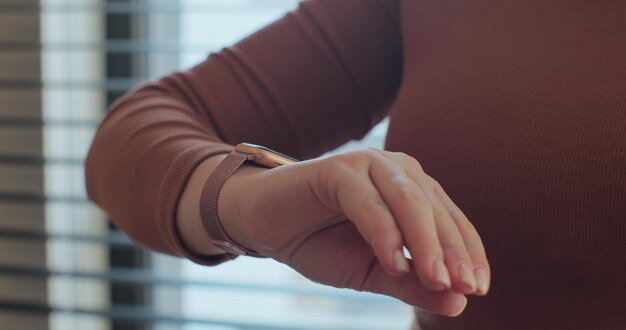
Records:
x=335, y=255
x=338, y=256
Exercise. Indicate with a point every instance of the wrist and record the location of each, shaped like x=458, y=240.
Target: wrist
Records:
x=234, y=204
x=230, y=232
x=188, y=221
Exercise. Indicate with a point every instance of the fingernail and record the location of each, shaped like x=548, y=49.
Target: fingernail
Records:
x=467, y=277
x=401, y=264
x=481, y=280
x=441, y=274
x=463, y=305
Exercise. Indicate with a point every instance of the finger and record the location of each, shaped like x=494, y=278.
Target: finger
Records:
x=413, y=214
x=457, y=258
x=363, y=205
x=473, y=242
x=411, y=291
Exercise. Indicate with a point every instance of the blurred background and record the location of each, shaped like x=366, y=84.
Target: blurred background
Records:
x=62, y=264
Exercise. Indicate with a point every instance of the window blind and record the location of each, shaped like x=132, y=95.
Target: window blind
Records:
x=62, y=264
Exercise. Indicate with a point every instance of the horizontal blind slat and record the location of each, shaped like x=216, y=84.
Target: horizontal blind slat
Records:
x=37, y=161
x=41, y=198
x=138, y=46
x=138, y=8
x=113, y=238
x=32, y=122
x=143, y=316
x=148, y=278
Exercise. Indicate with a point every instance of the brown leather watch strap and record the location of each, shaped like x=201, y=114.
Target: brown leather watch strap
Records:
x=208, y=204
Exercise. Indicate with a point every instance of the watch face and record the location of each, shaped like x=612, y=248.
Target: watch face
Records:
x=267, y=157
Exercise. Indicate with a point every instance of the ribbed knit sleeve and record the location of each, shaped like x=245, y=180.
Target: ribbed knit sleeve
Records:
x=320, y=76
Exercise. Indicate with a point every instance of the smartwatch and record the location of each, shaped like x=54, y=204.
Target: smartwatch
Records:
x=244, y=152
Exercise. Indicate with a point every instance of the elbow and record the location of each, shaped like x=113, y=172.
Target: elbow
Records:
x=129, y=163
x=101, y=170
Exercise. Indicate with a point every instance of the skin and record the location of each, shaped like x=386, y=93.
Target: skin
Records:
x=342, y=220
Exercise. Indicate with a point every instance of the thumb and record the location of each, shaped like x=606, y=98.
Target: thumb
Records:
x=339, y=256
x=410, y=290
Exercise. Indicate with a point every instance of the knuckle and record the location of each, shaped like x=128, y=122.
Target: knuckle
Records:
x=405, y=159
x=373, y=154
x=344, y=161
x=424, y=208
x=483, y=264
x=355, y=160
x=410, y=196
x=340, y=168
x=456, y=213
x=453, y=247
x=411, y=161
x=407, y=191
x=435, y=184
x=439, y=212
x=468, y=225
x=456, y=254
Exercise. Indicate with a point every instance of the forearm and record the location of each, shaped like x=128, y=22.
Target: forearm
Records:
x=156, y=137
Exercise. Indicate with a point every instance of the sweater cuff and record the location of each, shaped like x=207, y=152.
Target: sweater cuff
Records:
x=171, y=190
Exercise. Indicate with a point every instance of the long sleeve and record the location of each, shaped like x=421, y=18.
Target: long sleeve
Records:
x=320, y=76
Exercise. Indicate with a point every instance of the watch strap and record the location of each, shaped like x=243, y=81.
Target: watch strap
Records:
x=209, y=204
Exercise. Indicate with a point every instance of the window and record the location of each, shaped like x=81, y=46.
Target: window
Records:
x=62, y=265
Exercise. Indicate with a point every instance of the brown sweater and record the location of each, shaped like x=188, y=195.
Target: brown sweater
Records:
x=518, y=108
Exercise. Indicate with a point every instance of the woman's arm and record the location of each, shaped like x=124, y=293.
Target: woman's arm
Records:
x=315, y=79
x=320, y=76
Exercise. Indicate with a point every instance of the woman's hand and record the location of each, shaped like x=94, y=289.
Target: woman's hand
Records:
x=342, y=221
